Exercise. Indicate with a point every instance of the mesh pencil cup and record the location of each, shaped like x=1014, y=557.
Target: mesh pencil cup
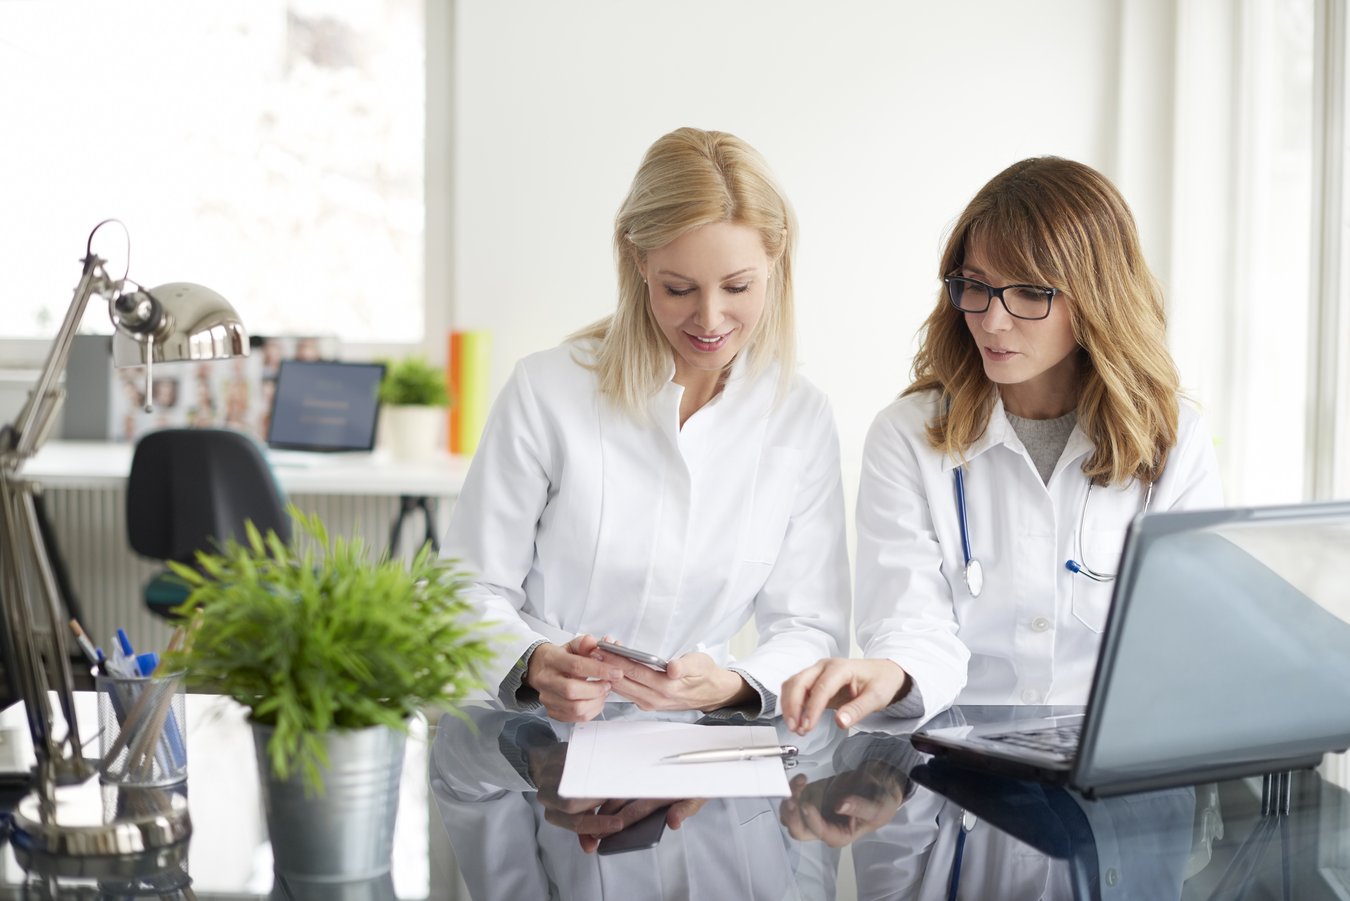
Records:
x=142, y=739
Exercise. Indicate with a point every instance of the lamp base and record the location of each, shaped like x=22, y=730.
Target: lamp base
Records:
x=102, y=821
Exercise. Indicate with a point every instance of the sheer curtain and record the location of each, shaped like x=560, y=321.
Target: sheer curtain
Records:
x=1259, y=231
x=1241, y=242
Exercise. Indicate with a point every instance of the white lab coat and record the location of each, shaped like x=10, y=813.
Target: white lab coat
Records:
x=577, y=517
x=1032, y=636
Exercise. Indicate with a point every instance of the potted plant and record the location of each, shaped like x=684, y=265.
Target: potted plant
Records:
x=415, y=397
x=332, y=652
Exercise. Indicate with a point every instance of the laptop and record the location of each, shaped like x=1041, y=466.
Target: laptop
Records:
x=1226, y=653
x=322, y=407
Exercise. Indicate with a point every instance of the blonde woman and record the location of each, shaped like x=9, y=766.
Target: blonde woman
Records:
x=665, y=475
x=995, y=493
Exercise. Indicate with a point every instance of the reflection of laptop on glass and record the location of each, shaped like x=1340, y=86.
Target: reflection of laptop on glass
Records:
x=1226, y=654
x=324, y=407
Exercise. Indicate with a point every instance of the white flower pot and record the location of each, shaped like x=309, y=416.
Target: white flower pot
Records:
x=414, y=433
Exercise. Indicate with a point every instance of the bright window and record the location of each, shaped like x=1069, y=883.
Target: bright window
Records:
x=273, y=151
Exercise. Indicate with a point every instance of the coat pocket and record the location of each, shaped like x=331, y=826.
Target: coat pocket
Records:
x=1098, y=551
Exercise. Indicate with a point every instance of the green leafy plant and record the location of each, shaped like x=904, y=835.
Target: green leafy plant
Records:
x=412, y=381
x=326, y=638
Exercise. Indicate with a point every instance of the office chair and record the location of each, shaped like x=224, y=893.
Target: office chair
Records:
x=192, y=490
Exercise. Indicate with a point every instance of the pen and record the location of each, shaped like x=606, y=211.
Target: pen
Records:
x=86, y=646
x=720, y=754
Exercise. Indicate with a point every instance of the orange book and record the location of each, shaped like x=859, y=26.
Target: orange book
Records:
x=454, y=375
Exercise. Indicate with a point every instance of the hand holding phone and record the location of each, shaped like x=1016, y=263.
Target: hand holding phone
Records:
x=655, y=662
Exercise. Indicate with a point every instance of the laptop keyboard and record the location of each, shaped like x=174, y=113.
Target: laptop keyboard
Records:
x=1060, y=741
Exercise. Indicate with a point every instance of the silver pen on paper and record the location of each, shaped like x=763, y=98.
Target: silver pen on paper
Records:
x=717, y=755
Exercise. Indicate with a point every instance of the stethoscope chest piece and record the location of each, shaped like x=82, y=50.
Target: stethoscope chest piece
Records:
x=974, y=577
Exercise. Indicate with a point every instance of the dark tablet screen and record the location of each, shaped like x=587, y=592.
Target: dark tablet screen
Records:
x=325, y=406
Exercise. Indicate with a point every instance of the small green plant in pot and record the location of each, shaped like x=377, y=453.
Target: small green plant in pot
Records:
x=415, y=397
x=413, y=382
x=332, y=652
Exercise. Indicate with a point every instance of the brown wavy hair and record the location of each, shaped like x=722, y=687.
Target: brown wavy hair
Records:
x=1052, y=221
x=689, y=178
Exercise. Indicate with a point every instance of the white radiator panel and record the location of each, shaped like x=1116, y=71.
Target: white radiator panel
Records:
x=108, y=579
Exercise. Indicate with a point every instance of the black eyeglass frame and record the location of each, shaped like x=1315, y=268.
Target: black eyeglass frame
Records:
x=991, y=292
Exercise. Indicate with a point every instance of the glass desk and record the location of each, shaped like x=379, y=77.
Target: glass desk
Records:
x=868, y=817
x=229, y=855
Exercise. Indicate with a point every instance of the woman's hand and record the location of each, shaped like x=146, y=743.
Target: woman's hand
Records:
x=571, y=682
x=853, y=687
x=843, y=808
x=691, y=682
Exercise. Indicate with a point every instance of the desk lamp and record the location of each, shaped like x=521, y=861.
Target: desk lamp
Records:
x=174, y=322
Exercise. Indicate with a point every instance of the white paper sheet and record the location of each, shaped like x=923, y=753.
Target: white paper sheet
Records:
x=622, y=759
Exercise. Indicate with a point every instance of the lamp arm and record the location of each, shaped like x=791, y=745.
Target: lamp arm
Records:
x=29, y=431
x=28, y=591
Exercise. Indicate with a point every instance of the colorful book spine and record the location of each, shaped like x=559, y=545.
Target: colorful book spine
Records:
x=452, y=369
x=470, y=356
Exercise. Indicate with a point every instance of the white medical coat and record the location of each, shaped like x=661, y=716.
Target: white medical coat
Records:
x=577, y=517
x=1032, y=635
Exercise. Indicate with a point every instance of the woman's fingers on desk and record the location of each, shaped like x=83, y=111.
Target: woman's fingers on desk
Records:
x=792, y=700
x=817, y=812
x=852, y=686
x=801, y=816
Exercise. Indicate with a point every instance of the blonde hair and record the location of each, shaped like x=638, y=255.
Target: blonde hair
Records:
x=1059, y=223
x=687, y=179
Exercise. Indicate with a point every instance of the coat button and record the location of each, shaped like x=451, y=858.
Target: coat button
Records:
x=1040, y=624
x=1031, y=696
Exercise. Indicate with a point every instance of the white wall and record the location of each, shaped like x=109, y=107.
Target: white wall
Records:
x=881, y=120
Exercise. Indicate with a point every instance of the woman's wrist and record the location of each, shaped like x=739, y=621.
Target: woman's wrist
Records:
x=736, y=691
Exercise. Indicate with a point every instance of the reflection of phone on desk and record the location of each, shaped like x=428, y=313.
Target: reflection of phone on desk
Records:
x=645, y=833
x=640, y=656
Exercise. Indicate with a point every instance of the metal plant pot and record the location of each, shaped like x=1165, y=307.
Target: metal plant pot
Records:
x=347, y=833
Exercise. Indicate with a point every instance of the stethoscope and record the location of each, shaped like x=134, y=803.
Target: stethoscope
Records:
x=974, y=573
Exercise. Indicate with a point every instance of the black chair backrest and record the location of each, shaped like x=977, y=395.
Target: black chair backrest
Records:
x=193, y=489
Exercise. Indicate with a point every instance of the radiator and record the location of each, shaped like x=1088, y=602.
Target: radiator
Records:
x=107, y=578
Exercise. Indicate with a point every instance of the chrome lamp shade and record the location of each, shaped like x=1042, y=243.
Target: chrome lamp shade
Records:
x=197, y=324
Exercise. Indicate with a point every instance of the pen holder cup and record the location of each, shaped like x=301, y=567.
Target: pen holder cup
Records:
x=142, y=734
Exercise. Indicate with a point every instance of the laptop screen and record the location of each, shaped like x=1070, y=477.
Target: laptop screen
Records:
x=325, y=406
x=1228, y=646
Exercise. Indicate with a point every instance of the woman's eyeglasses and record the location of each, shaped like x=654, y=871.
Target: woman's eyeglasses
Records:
x=971, y=295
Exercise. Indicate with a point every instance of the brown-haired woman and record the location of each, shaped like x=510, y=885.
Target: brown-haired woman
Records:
x=1044, y=415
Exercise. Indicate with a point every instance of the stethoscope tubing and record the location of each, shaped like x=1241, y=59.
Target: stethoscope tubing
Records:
x=974, y=573
x=961, y=512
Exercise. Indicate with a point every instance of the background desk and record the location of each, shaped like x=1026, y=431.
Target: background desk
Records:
x=84, y=486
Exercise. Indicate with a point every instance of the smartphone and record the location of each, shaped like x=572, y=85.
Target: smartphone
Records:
x=645, y=833
x=658, y=663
